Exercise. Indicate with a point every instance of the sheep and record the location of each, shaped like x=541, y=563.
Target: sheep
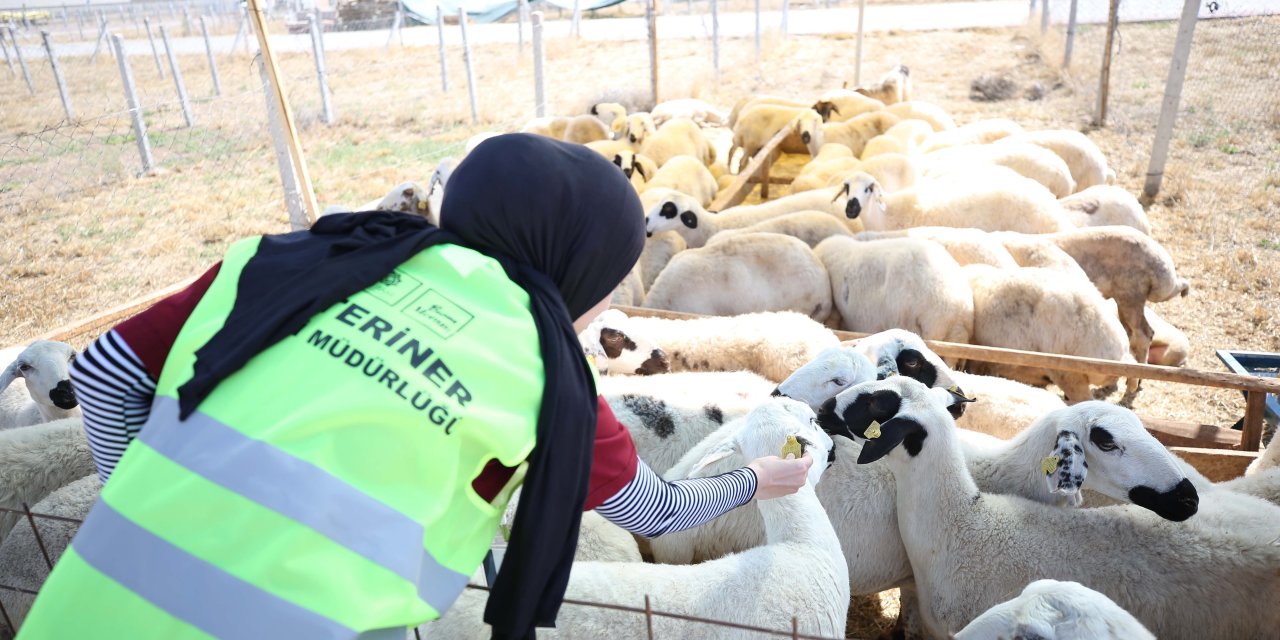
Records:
x=638, y=127
x=586, y=128
x=771, y=345
x=22, y=559
x=892, y=88
x=687, y=175
x=684, y=215
x=1037, y=163
x=1045, y=311
x=832, y=158
x=855, y=132
x=1128, y=267
x=48, y=395
x=1199, y=578
x=406, y=197
x=1087, y=163
x=898, y=283
x=893, y=171
x=679, y=136
x=799, y=574
x=699, y=111
x=37, y=460
x=618, y=347
x=967, y=246
x=747, y=102
x=1104, y=205
x=659, y=248
x=991, y=198
x=759, y=124
x=1169, y=345
x=936, y=116
x=1056, y=610
x=549, y=126
x=811, y=227
x=976, y=132
x=598, y=539
x=906, y=137
x=668, y=414
x=636, y=167
x=630, y=291
x=611, y=114
x=846, y=104
x=747, y=273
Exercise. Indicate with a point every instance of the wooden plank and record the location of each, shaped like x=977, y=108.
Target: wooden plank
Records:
x=1255, y=405
x=1215, y=464
x=742, y=185
x=1186, y=434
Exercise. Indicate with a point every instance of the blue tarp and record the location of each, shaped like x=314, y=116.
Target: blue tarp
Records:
x=424, y=11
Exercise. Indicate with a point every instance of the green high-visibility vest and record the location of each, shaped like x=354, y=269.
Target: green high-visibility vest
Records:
x=323, y=491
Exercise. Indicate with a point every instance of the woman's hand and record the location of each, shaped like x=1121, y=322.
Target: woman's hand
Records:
x=776, y=477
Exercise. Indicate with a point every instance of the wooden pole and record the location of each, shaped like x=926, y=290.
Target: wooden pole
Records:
x=1104, y=83
x=1172, y=98
x=652, y=10
x=1071, y=36
x=286, y=114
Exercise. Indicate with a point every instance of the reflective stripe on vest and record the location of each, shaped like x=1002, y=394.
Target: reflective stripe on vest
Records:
x=324, y=489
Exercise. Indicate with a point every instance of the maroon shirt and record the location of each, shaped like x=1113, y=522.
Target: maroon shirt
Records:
x=151, y=335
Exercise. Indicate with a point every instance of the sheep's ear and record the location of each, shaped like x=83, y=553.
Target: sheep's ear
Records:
x=897, y=431
x=690, y=219
x=722, y=451
x=1065, y=467
x=614, y=342
x=10, y=374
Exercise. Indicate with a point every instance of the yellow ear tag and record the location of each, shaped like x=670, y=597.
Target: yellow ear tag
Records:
x=1049, y=464
x=873, y=431
x=792, y=446
x=422, y=205
x=892, y=374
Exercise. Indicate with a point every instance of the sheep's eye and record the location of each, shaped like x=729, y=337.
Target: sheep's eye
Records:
x=839, y=382
x=869, y=189
x=1102, y=439
x=72, y=358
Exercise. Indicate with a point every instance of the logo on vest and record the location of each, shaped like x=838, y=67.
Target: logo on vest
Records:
x=438, y=313
x=394, y=287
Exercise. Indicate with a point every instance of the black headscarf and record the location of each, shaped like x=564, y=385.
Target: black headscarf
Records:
x=566, y=226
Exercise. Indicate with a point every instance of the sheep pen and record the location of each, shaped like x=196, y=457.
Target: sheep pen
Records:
x=80, y=252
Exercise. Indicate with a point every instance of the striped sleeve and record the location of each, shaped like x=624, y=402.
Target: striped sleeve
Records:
x=115, y=393
x=650, y=506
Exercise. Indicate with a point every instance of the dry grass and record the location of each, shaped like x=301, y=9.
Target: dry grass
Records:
x=83, y=234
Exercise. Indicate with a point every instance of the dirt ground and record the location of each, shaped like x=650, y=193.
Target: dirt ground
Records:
x=84, y=234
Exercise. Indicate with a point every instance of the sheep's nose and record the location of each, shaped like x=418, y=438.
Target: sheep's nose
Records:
x=63, y=396
x=1177, y=504
x=853, y=209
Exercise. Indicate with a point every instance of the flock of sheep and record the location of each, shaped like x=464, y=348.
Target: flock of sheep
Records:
x=905, y=226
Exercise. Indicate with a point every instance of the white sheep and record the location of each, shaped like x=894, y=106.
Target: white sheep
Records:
x=759, y=124
x=1087, y=163
x=46, y=393
x=967, y=246
x=892, y=171
x=747, y=273
x=906, y=137
x=685, y=174
x=630, y=291
x=619, y=347
x=1169, y=345
x=832, y=158
x=1200, y=578
x=678, y=137
x=1045, y=311
x=991, y=198
x=855, y=132
x=746, y=102
x=406, y=197
x=1029, y=160
x=581, y=129
x=831, y=200
x=1055, y=610
x=699, y=111
x=612, y=114
x=35, y=461
x=22, y=563
x=637, y=128
x=811, y=227
x=1104, y=205
x=902, y=283
x=769, y=344
x=936, y=116
x=659, y=248
x=798, y=574
x=976, y=132
x=892, y=88
x=846, y=104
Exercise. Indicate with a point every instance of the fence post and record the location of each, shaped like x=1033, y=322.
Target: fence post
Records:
x=786, y=10
x=57, y=76
x=577, y=15
x=186, y=21
x=22, y=62
x=1071, y=36
x=7, y=59
x=715, y=39
x=1044, y=16
x=177, y=78
x=155, y=55
x=757, y=31
x=466, y=60
x=135, y=110
x=652, y=12
x=80, y=22
x=521, y=12
x=102, y=36
x=395, y=28
x=539, y=80
x=213, y=66
x=1172, y=98
x=323, y=76
x=239, y=33
x=444, y=64
x=288, y=178
x=857, y=69
x=1104, y=82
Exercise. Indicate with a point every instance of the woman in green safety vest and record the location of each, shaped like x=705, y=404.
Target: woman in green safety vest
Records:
x=318, y=437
